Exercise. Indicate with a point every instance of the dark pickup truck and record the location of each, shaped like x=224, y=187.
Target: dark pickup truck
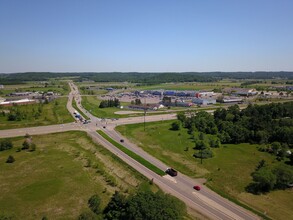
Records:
x=171, y=172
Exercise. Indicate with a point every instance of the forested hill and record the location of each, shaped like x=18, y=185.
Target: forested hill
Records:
x=141, y=77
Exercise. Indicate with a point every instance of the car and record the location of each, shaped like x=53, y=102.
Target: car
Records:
x=121, y=140
x=197, y=188
x=171, y=172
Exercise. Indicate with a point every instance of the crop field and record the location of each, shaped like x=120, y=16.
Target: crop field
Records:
x=54, y=112
x=58, y=178
x=228, y=172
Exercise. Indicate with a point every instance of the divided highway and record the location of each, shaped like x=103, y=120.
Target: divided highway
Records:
x=204, y=201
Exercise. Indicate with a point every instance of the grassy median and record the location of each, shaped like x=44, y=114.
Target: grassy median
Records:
x=74, y=105
x=132, y=154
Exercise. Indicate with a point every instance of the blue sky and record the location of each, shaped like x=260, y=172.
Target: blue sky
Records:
x=146, y=35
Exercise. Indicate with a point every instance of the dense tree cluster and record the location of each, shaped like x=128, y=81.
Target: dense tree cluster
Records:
x=142, y=205
x=270, y=124
x=143, y=78
x=203, y=123
x=266, y=178
x=109, y=103
x=256, y=123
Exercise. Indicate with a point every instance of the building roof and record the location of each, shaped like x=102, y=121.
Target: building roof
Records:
x=17, y=101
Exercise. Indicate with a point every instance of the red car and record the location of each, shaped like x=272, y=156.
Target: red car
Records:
x=197, y=188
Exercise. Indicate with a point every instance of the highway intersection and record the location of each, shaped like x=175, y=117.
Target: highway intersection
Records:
x=204, y=201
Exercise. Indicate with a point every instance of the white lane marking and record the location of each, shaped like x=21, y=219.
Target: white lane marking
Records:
x=168, y=177
x=216, y=206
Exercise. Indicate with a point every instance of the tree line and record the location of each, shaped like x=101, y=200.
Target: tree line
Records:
x=109, y=103
x=143, y=78
x=141, y=205
x=254, y=124
x=268, y=177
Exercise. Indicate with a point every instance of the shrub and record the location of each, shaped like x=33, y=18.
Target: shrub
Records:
x=94, y=203
x=25, y=145
x=175, y=126
x=10, y=159
x=5, y=145
x=206, y=153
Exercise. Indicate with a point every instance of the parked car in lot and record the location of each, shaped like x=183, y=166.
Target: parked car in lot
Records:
x=197, y=188
x=171, y=172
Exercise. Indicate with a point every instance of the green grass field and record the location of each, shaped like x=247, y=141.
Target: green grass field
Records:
x=91, y=104
x=227, y=172
x=53, y=113
x=58, y=87
x=265, y=84
x=58, y=178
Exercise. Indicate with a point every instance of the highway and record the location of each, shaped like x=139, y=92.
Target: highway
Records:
x=204, y=201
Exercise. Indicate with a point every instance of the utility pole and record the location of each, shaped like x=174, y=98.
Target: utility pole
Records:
x=144, y=115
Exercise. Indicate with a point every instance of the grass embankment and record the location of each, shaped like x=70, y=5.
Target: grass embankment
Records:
x=54, y=112
x=58, y=178
x=74, y=105
x=132, y=154
x=228, y=172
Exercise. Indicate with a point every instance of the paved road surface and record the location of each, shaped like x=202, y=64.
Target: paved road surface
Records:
x=205, y=201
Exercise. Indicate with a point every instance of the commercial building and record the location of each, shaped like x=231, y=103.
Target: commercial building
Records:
x=18, y=102
x=232, y=100
x=202, y=101
x=240, y=91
